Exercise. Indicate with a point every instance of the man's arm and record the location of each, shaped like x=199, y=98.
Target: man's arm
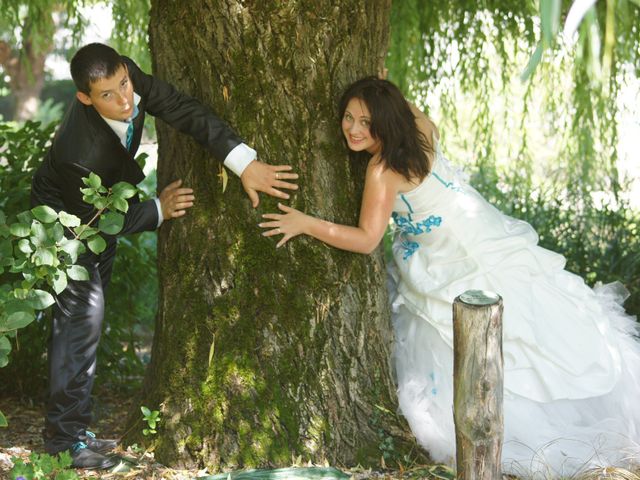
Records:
x=141, y=216
x=190, y=116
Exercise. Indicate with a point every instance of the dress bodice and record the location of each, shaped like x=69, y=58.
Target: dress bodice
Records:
x=449, y=239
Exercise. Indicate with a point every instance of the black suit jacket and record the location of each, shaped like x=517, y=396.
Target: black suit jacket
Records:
x=85, y=143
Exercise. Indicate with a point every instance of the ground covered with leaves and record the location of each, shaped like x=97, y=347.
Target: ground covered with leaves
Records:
x=24, y=436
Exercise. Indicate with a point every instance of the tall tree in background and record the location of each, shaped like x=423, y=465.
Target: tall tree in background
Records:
x=262, y=354
x=28, y=36
x=23, y=59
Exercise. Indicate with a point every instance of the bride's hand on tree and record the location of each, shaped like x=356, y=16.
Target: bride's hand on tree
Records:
x=290, y=224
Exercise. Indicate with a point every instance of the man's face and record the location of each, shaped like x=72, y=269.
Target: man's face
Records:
x=112, y=97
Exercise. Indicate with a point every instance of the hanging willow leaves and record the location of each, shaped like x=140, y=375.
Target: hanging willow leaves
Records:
x=545, y=150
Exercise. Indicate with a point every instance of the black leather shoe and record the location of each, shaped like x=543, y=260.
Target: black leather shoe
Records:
x=100, y=445
x=85, y=458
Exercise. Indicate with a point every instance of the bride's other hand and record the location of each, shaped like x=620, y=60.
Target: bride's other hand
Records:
x=290, y=224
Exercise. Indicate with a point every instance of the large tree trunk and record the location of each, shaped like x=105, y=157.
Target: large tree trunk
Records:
x=261, y=355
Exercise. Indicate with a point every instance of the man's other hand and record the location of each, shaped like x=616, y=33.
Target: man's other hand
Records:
x=175, y=200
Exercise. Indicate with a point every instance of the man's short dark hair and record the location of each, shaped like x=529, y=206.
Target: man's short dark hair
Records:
x=94, y=62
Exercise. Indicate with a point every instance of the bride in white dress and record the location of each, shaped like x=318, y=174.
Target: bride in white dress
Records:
x=571, y=355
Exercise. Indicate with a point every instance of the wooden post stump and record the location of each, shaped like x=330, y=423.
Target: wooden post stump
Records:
x=478, y=384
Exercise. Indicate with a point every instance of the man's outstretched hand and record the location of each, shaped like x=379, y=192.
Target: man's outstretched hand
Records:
x=261, y=177
x=175, y=200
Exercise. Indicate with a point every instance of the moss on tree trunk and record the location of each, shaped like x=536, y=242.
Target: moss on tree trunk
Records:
x=299, y=337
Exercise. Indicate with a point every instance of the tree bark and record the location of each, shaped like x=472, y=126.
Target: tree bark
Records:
x=478, y=385
x=263, y=355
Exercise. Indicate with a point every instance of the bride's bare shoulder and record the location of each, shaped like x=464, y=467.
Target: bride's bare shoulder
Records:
x=425, y=124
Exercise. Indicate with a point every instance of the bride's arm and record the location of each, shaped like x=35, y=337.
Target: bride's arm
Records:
x=379, y=194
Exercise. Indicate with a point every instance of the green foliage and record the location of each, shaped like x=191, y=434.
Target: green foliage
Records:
x=130, y=35
x=36, y=256
x=152, y=418
x=43, y=466
x=22, y=151
x=545, y=151
x=39, y=247
x=601, y=242
x=131, y=298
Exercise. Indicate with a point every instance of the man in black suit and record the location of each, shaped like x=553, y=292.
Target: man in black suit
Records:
x=100, y=133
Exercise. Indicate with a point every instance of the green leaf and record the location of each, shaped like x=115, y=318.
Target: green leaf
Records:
x=84, y=232
x=20, y=294
x=46, y=464
x=142, y=158
x=39, y=235
x=3, y=421
x=40, y=299
x=77, y=272
x=123, y=190
x=25, y=217
x=64, y=459
x=18, y=265
x=96, y=244
x=44, y=256
x=549, y=20
x=20, y=229
x=69, y=220
x=120, y=204
x=18, y=320
x=24, y=246
x=111, y=223
x=100, y=203
x=145, y=411
x=55, y=232
x=72, y=247
x=93, y=181
x=533, y=63
x=59, y=282
x=5, y=349
x=45, y=214
x=3, y=217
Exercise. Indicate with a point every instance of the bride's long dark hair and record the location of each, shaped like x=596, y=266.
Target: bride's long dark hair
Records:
x=404, y=147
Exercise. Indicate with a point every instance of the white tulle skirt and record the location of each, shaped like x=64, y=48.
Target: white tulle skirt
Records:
x=597, y=423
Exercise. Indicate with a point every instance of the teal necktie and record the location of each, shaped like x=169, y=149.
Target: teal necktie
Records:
x=129, y=139
x=129, y=135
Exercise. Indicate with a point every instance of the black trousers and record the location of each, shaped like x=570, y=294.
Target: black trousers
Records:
x=76, y=329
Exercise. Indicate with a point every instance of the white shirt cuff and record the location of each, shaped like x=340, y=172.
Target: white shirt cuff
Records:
x=159, y=207
x=239, y=158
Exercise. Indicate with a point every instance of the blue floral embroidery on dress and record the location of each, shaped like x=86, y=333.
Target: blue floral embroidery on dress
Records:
x=408, y=227
x=450, y=185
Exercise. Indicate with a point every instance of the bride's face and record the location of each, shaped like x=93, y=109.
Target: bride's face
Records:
x=356, y=123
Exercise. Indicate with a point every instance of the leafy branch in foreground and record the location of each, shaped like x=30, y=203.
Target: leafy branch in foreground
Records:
x=37, y=258
x=41, y=466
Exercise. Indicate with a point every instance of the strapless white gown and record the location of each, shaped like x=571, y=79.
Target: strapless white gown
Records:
x=571, y=358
